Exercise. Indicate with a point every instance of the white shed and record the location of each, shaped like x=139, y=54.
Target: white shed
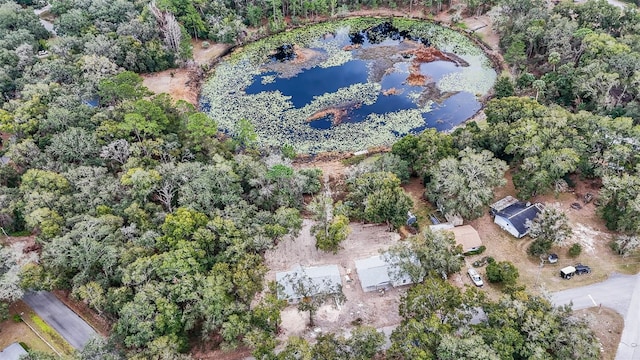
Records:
x=375, y=273
x=323, y=279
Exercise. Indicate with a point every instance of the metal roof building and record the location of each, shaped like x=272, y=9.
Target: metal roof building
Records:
x=374, y=274
x=323, y=279
x=13, y=352
x=514, y=217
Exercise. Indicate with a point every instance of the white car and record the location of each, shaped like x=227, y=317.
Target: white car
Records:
x=475, y=277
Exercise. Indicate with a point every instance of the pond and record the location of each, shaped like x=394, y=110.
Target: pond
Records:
x=350, y=84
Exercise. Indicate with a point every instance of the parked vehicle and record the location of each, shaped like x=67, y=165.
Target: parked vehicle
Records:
x=567, y=272
x=475, y=277
x=553, y=258
x=582, y=269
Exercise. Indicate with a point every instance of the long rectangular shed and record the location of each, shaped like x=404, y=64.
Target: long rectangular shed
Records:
x=374, y=274
x=323, y=279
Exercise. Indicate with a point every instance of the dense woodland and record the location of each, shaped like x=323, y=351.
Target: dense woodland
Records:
x=159, y=223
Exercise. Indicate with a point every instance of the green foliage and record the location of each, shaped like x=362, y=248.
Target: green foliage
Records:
x=503, y=272
x=480, y=250
x=424, y=150
x=539, y=247
x=575, y=250
x=625, y=245
x=550, y=226
x=427, y=252
x=504, y=87
x=288, y=151
x=377, y=197
x=337, y=231
x=464, y=185
x=618, y=196
x=126, y=85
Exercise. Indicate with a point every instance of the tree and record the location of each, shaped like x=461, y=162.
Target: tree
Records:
x=126, y=85
x=430, y=311
x=421, y=254
x=312, y=293
x=10, y=265
x=502, y=272
x=625, y=245
x=504, y=87
x=470, y=347
x=465, y=185
x=540, y=86
x=423, y=151
x=329, y=230
x=619, y=198
x=246, y=134
x=551, y=226
x=377, y=197
x=365, y=342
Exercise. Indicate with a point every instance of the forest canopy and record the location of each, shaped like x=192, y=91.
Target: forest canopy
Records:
x=159, y=223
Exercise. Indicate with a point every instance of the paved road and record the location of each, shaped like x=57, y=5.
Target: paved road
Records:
x=72, y=328
x=622, y=294
x=617, y=3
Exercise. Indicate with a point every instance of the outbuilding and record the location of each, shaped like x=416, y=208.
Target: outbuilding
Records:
x=322, y=279
x=376, y=273
x=467, y=237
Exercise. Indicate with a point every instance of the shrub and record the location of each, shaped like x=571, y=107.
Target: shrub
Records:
x=625, y=245
x=575, y=250
x=479, y=251
x=288, y=151
x=205, y=45
x=504, y=87
x=539, y=247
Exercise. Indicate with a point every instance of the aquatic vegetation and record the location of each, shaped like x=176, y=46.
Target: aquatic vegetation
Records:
x=346, y=85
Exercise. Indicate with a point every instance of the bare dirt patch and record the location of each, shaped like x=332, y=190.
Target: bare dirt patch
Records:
x=206, y=56
x=607, y=325
x=179, y=83
x=184, y=83
x=17, y=331
x=368, y=308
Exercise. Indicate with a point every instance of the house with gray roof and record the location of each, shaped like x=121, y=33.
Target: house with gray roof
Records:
x=13, y=352
x=513, y=215
x=313, y=281
x=376, y=273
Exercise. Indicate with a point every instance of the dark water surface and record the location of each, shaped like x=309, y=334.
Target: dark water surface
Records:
x=447, y=110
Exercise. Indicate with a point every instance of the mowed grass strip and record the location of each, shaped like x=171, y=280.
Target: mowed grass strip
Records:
x=51, y=335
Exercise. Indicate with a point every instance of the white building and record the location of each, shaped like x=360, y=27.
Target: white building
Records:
x=320, y=279
x=376, y=273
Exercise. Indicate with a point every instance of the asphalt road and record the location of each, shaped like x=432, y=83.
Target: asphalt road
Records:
x=72, y=328
x=620, y=293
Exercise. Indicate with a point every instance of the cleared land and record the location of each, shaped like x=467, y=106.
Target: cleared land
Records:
x=369, y=308
x=17, y=331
